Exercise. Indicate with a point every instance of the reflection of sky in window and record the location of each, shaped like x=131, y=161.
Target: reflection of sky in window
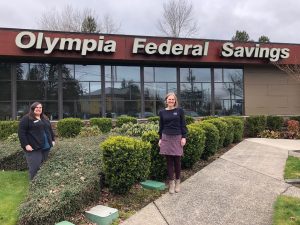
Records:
x=120, y=73
x=159, y=74
x=87, y=73
x=198, y=74
x=233, y=75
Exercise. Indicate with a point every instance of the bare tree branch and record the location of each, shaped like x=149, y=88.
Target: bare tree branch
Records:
x=292, y=70
x=70, y=19
x=177, y=19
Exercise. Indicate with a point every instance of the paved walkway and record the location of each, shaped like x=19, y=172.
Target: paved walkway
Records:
x=238, y=188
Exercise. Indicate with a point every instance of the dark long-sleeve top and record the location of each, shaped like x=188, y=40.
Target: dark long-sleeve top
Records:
x=31, y=132
x=172, y=122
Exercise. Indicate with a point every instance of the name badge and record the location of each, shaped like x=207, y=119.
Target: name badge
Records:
x=175, y=113
x=36, y=121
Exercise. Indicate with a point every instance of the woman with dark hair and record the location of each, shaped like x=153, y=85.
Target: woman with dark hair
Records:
x=36, y=137
x=172, y=138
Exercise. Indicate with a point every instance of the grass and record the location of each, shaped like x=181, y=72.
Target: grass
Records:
x=292, y=168
x=287, y=211
x=13, y=190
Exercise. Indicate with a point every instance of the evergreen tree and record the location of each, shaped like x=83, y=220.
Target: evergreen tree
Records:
x=241, y=36
x=89, y=25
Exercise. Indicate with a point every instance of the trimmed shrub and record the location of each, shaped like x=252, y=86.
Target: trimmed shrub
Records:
x=274, y=123
x=125, y=162
x=255, y=125
x=158, y=169
x=66, y=183
x=69, y=127
x=153, y=119
x=89, y=131
x=211, y=138
x=12, y=155
x=189, y=120
x=295, y=118
x=194, y=147
x=238, y=128
x=270, y=134
x=104, y=124
x=125, y=119
x=230, y=132
x=222, y=128
x=135, y=130
x=7, y=128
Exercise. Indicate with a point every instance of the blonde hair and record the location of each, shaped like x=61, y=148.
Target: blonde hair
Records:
x=175, y=97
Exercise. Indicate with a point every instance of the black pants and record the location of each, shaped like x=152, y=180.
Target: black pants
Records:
x=173, y=163
x=34, y=160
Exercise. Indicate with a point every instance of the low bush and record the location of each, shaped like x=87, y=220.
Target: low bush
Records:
x=135, y=129
x=153, y=119
x=269, y=134
x=230, y=131
x=189, y=120
x=12, y=155
x=125, y=162
x=158, y=169
x=104, y=124
x=238, y=128
x=274, y=123
x=211, y=138
x=7, y=128
x=255, y=125
x=194, y=147
x=222, y=127
x=295, y=118
x=67, y=183
x=293, y=131
x=90, y=131
x=125, y=119
x=69, y=127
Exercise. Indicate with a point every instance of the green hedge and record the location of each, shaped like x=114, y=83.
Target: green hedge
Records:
x=194, y=146
x=153, y=119
x=135, y=129
x=66, y=184
x=238, y=128
x=125, y=161
x=104, y=124
x=255, y=125
x=7, y=128
x=12, y=156
x=189, y=119
x=69, y=127
x=222, y=128
x=125, y=119
x=211, y=138
x=274, y=123
x=230, y=131
x=158, y=169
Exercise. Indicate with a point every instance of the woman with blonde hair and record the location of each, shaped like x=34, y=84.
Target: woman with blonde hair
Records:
x=172, y=138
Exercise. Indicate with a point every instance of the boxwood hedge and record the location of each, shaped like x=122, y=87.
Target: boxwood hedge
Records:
x=65, y=184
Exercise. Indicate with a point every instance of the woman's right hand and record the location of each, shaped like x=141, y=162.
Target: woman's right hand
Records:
x=28, y=148
x=159, y=142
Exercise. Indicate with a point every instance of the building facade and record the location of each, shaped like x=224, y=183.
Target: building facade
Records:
x=90, y=75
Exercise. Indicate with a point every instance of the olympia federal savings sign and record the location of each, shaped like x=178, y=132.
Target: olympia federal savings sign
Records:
x=147, y=46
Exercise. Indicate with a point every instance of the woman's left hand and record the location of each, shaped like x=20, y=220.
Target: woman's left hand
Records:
x=183, y=142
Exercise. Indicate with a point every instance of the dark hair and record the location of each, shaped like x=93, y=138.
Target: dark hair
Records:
x=31, y=111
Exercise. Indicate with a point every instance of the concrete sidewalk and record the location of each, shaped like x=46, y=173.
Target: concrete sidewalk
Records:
x=238, y=188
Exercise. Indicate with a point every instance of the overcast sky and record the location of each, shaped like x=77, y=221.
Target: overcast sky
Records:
x=218, y=19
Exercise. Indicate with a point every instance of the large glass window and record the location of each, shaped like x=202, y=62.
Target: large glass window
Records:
x=158, y=82
x=229, y=91
x=195, y=91
x=123, y=91
x=5, y=91
x=37, y=82
x=81, y=91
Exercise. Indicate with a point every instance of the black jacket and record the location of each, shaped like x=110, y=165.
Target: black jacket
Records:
x=31, y=132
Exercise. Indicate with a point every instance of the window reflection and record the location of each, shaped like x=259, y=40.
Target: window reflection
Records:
x=195, y=91
x=229, y=91
x=158, y=82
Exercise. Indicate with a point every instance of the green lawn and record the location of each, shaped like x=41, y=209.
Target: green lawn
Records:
x=292, y=168
x=287, y=211
x=13, y=190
